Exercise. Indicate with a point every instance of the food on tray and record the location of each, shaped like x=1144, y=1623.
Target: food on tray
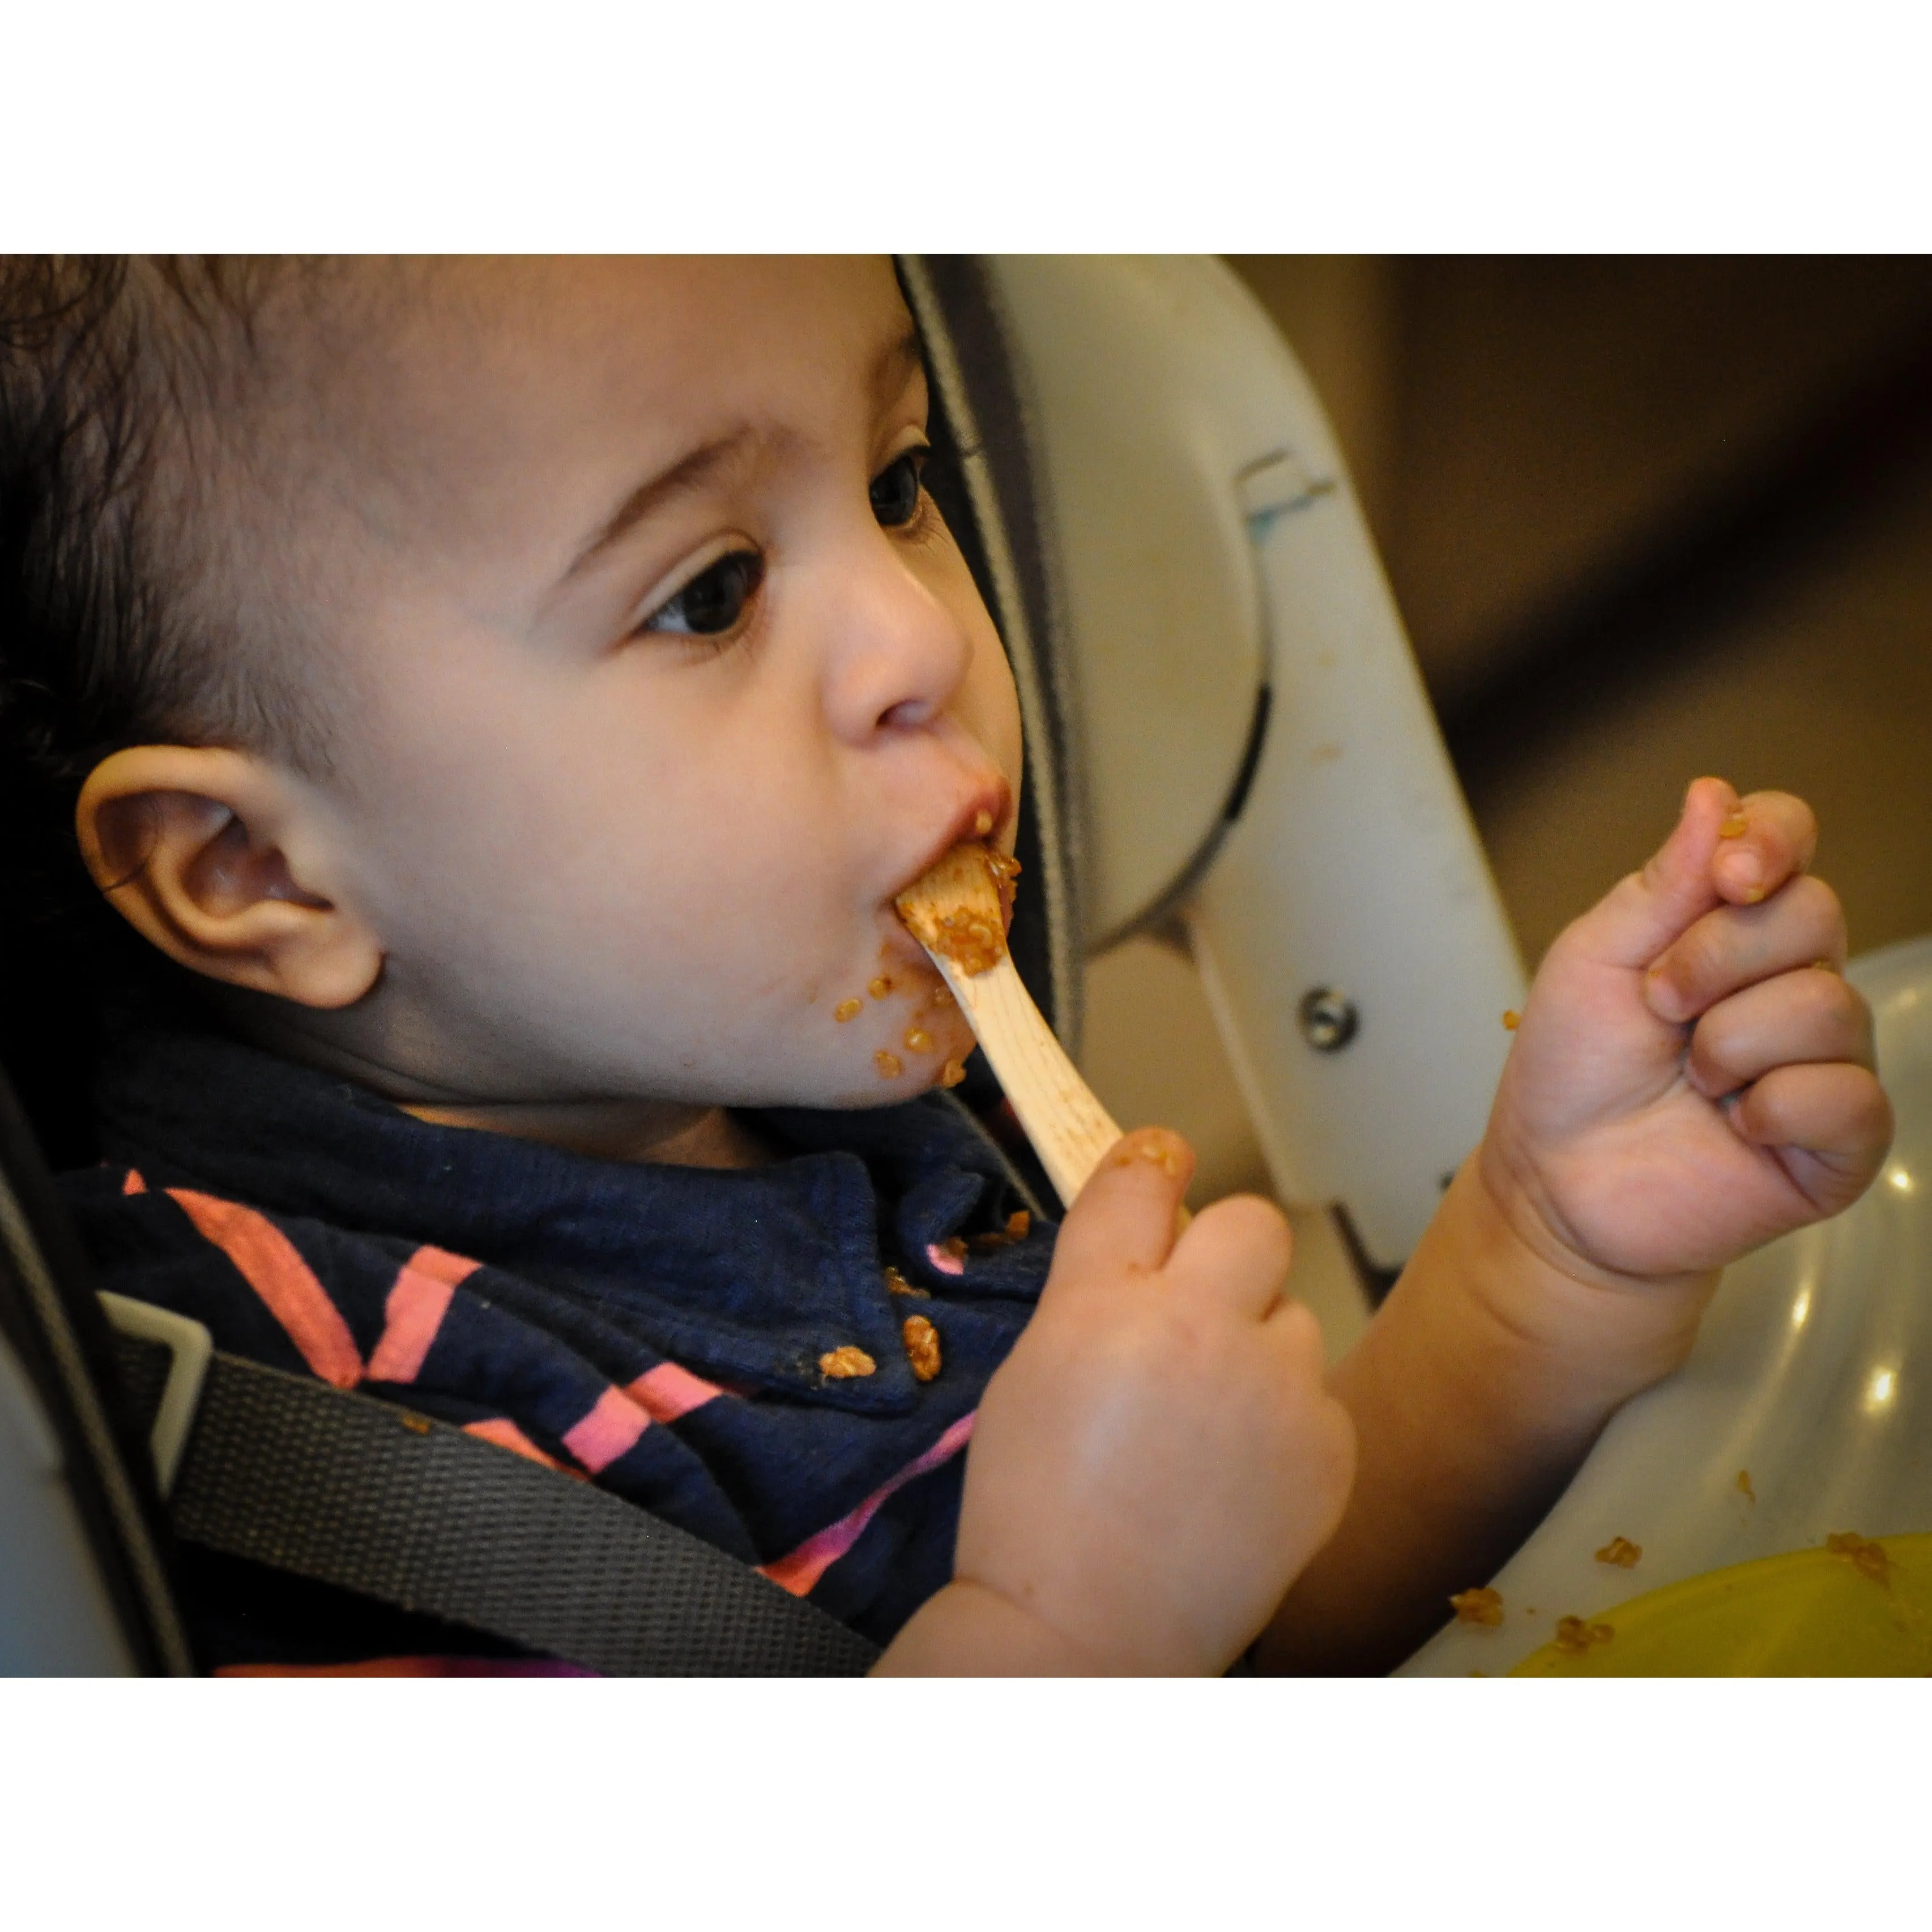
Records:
x=1575, y=1635
x=1620, y=1551
x=1865, y=1556
x=1477, y=1606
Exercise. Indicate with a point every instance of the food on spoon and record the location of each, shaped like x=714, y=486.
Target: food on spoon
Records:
x=958, y=908
x=1477, y=1606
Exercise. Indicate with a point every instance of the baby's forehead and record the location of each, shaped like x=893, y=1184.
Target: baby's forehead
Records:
x=428, y=397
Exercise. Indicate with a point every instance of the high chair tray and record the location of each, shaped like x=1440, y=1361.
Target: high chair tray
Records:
x=1804, y=1414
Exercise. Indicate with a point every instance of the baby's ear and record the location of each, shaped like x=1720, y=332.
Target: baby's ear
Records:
x=229, y=864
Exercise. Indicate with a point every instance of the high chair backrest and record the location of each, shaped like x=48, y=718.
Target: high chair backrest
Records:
x=1237, y=742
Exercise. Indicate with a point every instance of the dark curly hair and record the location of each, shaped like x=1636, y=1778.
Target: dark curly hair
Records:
x=117, y=374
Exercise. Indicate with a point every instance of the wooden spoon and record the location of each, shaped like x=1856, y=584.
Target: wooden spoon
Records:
x=956, y=910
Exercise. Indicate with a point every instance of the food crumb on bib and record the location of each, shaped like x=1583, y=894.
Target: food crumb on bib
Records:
x=922, y=1346
x=842, y=1363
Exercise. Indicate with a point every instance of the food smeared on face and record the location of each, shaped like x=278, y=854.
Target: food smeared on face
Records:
x=848, y=1010
x=918, y=1040
x=888, y=1063
x=880, y=987
x=952, y=1073
x=959, y=908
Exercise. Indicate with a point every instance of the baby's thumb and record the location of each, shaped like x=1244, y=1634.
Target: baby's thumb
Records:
x=1633, y=925
x=1126, y=1215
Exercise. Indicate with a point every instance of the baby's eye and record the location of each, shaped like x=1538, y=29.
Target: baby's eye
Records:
x=895, y=491
x=714, y=600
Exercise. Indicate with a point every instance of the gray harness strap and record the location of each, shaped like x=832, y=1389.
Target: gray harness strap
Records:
x=351, y=1491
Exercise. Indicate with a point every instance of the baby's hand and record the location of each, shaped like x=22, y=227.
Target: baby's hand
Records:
x=1692, y=1077
x=1158, y=1458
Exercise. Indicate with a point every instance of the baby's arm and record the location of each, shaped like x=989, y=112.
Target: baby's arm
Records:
x=1687, y=1083
x=1158, y=1457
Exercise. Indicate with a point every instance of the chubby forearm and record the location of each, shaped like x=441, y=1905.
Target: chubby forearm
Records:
x=1476, y=1394
x=968, y=1630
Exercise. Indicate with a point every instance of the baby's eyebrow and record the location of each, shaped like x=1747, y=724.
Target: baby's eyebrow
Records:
x=688, y=473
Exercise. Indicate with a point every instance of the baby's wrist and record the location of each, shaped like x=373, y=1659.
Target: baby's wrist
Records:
x=971, y=1629
x=1610, y=1333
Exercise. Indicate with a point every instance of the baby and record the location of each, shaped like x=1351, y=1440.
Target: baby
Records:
x=515, y=692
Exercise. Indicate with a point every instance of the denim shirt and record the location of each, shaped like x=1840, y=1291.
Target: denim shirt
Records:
x=785, y=1360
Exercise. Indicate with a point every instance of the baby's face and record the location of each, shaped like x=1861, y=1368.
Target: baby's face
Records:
x=658, y=678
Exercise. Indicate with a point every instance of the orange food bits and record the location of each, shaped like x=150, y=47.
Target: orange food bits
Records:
x=982, y=822
x=1512, y=1020
x=1867, y=1557
x=918, y=1040
x=952, y=1073
x=840, y=1364
x=848, y=1010
x=940, y=996
x=880, y=987
x=1734, y=826
x=1620, y=1551
x=1477, y=1606
x=922, y=1346
x=897, y=1284
x=1018, y=1222
x=1575, y=1635
x=888, y=1064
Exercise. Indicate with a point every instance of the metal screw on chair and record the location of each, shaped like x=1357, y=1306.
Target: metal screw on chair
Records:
x=1328, y=1018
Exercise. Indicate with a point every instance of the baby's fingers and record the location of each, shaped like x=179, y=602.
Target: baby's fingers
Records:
x=1830, y=1125
x=1240, y=1249
x=1808, y=1016
x=1768, y=838
x=1125, y=1215
x=1735, y=947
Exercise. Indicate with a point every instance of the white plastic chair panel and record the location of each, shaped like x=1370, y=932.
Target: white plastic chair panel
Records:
x=1209, y=545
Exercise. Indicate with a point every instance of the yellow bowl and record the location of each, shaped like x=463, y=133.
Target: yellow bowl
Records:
x=1863, y=1611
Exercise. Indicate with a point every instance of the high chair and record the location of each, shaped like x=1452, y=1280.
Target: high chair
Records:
x=1227, y=744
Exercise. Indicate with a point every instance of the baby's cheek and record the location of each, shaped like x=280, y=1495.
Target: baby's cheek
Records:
x=906, y=1022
